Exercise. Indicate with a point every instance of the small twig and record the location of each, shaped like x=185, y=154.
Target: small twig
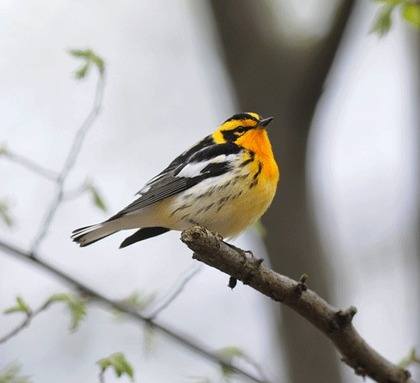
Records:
x=26, y=322
x=175, y=291
x=76, y=192
x=334, y=324
x=257, y=367
x=31, y=165
x=102, y=376
x=70, y=161
x=129, y=311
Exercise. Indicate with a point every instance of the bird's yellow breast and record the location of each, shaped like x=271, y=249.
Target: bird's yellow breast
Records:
x=230, y=203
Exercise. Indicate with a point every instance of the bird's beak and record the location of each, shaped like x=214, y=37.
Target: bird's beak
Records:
x=265, y=121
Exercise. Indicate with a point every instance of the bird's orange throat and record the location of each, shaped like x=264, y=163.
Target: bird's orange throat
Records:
x=257, y=141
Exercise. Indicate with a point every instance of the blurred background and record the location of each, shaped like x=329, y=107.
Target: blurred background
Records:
x=346, y=135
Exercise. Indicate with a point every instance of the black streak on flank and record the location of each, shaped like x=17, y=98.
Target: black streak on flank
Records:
x=180, y=208
x=208, y=193
x=249, y=160
x=208, y=207
x=223, y=200
x=257, y=174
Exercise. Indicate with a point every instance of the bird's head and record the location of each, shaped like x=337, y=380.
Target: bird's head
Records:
x=244, y=129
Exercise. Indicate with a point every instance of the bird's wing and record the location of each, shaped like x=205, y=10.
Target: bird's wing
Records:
x=178, y=161
x=210, y=161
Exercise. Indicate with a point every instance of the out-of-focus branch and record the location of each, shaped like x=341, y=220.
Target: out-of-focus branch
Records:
x=29, y=164
x=335, y=324
x=175, y=292
x=101, y=376
x=26, y=322
x=126, y=309
x=70, y=161
x=76, y=192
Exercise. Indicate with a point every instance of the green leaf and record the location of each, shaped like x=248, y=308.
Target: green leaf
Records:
x=82, y=71
x=11, y=374
x=410, y=359
x=79, y=53
x=118, y=363
x=260, y=229
x=75, y=305
x=97, y=199
x=89, y=58
x=3, y=150
x=228, y=354
x=139, y=301
x=98, y=61
x=383, y=21
x=411, y=13
x=4, y=214
x=20, y=307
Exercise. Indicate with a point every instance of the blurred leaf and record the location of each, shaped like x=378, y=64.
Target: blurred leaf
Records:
x=3, y=150
x=79, y=53
x=10, y=374
x=90, y=58
x=4, y=214
x=383, y=21
x=76, y=306
x=410, y=359
x=260, y=229
x=139, y=301
x=229, y=354
x=98, y=61
x=118, y=363
x=82, y=71
x=97, y=198
x=20, y=307
x=411, y=13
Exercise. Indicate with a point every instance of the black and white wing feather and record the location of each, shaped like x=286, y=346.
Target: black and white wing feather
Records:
x=204, y=160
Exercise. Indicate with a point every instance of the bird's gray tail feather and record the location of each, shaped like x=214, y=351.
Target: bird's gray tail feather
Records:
x=87, y=235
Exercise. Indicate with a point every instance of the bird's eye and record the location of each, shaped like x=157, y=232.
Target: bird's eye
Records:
x=240, y=130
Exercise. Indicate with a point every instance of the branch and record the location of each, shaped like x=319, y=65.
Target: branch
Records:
x=129, y=311
x=70, y=161
x=26, y=322
x=29, y=165
x=335, y=324
x=175, y=292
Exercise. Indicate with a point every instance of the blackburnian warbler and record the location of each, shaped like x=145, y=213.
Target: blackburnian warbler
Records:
x=225, y=183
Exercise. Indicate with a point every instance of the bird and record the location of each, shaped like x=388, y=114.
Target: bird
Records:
x=224, y=183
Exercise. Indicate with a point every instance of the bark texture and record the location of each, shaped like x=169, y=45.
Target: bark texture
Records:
x=335, y=324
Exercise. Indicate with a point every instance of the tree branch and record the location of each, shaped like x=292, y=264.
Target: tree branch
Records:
x=70, y=161
x=175, y=292
x=26, y=322
x=29, y=165
x=335, y=324
x=129, y=311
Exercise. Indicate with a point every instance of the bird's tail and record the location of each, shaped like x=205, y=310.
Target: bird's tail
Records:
x=87, y=235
